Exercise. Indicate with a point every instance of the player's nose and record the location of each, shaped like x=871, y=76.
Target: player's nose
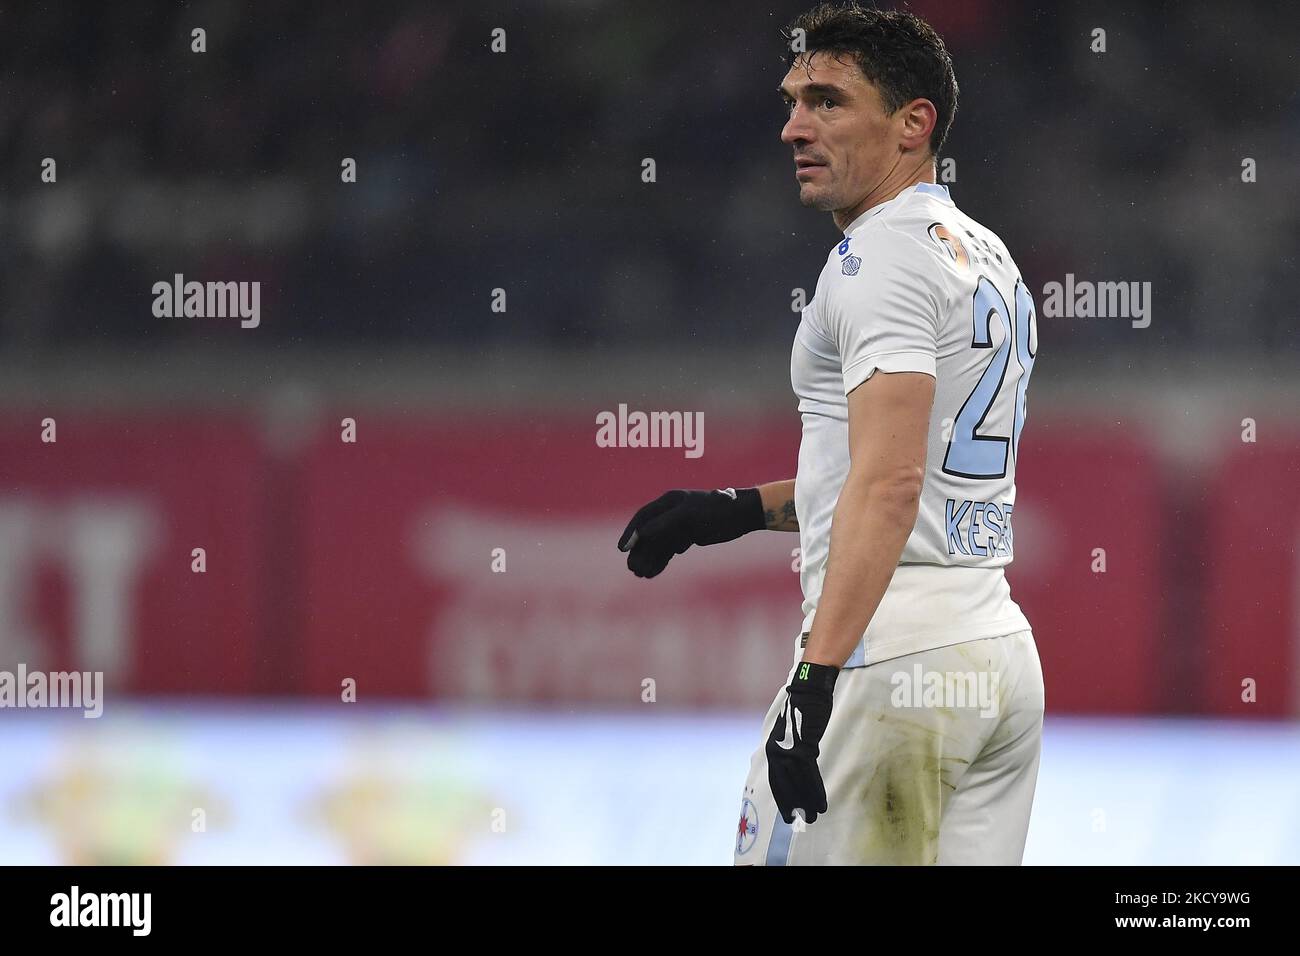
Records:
x=797, y=129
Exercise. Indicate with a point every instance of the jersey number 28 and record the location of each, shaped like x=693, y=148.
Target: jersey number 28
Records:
x=972, y=454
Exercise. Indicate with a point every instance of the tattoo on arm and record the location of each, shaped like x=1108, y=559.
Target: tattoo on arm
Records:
x=783, y=518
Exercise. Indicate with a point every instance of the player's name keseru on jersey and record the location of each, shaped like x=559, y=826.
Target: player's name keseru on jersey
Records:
x=978, y=528
x=918, y=286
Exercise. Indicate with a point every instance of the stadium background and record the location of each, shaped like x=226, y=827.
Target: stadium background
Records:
x=501, y=716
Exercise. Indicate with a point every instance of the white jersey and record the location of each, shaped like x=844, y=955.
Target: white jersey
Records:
x=917, y=286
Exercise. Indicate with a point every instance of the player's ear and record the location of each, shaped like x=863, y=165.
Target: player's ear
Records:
x=917, y=120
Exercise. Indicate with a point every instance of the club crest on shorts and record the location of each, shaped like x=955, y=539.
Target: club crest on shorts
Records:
x=850, y=265
x=747, y=829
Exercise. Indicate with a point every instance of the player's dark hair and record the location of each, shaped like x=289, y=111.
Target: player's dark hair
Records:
x=899, y=52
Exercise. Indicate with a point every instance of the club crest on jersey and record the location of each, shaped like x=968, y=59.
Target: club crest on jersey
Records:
x=850, y=265
x=747, y=830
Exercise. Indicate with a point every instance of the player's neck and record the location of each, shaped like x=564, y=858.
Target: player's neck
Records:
x=895, y=181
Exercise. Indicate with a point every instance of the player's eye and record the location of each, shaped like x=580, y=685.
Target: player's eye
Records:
x=828, y=103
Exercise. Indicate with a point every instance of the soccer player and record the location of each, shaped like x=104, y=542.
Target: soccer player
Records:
x=910, y=726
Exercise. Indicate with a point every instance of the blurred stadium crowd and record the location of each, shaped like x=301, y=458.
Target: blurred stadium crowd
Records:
x=522, y=169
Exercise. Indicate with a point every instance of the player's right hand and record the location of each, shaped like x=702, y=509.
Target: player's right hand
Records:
x=678, y=519
x=795, y=743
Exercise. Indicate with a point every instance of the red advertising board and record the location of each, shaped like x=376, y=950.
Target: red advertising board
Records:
x=97, y=530
x=1089, y=569
x=473, y=559
x=1252, y=608
x=477, y=560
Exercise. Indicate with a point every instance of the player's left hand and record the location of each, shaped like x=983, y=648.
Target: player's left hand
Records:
x=678, y=519
x=794, y=744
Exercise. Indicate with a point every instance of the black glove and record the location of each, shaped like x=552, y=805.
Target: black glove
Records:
x=678, y=519
x=792, y=748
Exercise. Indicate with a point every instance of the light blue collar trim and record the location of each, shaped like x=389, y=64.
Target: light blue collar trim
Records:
x=934, y=189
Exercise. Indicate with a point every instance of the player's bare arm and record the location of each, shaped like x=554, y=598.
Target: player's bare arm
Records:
x=888, y=420
x=778, y=505
x=889, y=416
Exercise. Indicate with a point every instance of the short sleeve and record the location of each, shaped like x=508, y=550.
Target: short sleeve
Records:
x=885, y=316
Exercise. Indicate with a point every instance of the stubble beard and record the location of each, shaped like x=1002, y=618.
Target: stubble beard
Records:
x=819, y=199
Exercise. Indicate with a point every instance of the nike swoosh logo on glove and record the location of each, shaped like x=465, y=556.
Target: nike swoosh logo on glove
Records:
x=791, y=716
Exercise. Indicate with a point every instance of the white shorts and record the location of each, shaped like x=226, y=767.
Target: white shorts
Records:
x=928, y=758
